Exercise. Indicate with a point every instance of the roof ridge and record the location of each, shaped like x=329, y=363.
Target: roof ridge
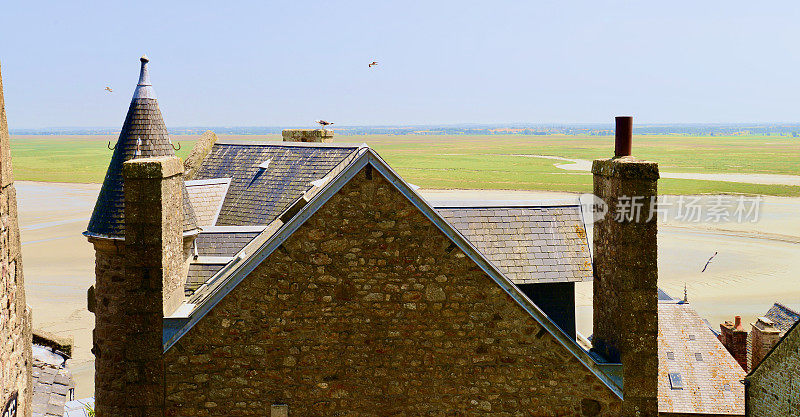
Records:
x=784, y=307
x=278, y=143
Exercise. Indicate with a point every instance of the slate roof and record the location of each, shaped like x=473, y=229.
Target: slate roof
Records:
x=257, y=196
x=52, y=383
x=222, y=244
x=709, y=374
x=143, y=135
x=206, y=197
x=783, y=317
x=529, y=244
x=199, y=274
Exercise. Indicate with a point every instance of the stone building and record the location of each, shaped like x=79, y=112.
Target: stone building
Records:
x=15, y=315
x=750, y=348
x=307, y=278
x=772, y=388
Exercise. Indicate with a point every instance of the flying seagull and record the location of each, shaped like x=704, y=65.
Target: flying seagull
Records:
x=109, y=89
x=324, y=123
x=373, y=64
x=709, y=261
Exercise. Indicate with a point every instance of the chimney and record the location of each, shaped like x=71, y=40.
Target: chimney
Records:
x=734, y=338
x=763, y=336
x=308, y=135
x=626, y=272
x=152, y=262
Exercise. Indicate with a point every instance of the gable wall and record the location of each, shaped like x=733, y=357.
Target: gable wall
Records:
x=367, y=310
x=775, y=385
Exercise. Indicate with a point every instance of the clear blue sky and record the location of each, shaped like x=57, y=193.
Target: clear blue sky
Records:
x=273, y=63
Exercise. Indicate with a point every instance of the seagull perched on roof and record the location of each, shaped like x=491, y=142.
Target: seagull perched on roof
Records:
x=109, y=89
x=324, y=123
x=373, y=64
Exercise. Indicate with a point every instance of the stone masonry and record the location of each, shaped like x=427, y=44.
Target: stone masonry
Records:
x=15, y=316
x=139, y=280
x=307, y=135
x=368, y=309
x=773, y=387
x=625, y=278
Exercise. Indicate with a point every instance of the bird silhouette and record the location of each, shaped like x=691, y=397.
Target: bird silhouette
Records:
x=109, y=89
x=324, y=123
x=709, y=261
x=373, y=64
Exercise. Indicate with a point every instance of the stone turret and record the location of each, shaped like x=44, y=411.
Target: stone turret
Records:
x=139, y=272
x=626, y=272
x=15, y=316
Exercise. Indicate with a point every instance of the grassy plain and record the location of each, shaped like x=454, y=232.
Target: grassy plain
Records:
x=479, y=161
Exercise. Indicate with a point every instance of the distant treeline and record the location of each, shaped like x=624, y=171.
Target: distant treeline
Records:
x=518, y=129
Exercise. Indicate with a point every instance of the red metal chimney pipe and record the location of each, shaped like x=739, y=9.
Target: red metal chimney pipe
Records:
x=623, y=136
x=738, y=323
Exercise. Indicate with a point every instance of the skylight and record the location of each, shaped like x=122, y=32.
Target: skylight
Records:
x=675, y=380
x=698, y=356
x=671, y=356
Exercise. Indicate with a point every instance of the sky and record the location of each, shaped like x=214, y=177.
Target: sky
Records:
x=288, y=63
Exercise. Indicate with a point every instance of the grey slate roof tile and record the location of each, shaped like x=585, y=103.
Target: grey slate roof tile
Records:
x=258, y=196
x=198, y=274
x=528, y=244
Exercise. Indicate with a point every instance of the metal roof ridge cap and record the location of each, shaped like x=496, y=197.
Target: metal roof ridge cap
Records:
x=560, y=202
x=234, y=229
x=210, y=181
x=288, y=144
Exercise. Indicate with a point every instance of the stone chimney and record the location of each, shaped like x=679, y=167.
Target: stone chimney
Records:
x=307, y=135
x=763, y=336
x=626, y=272
x=734, y=337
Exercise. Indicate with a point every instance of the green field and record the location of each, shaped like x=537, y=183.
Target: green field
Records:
x=479, y=162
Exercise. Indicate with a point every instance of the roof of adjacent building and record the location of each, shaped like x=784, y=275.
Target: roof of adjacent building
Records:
x=52, y=383
x=267, y=177
x=143, y=135
x=690, y=354
x=782, y=317
x=545, y=242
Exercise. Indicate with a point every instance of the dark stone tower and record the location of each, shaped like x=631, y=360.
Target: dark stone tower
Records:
x=15, y=316
x=626, y=272
x=117, y=317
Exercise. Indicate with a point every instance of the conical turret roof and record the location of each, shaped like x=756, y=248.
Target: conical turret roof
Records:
x=143, y=135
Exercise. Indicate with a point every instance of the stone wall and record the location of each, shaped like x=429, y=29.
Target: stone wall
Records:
x=774, y=387
x=307, y=135
x=15, y=316
x=625, y=278
x=369, y=310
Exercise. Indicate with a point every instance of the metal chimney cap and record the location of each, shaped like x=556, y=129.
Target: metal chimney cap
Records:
x=144, y=59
